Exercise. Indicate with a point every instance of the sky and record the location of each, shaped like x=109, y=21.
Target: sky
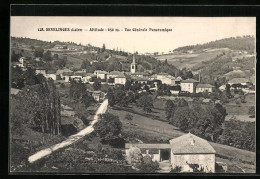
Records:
x=185, y=30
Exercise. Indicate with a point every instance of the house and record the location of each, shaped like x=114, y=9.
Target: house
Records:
x=51, y=74
x=61, y=71
x=67, y=76
x=21, y=62
x=181, y=152
x=59, y=46
x=242, y=81
x=101, y=74
x=204, y=88
x=86, y=77
x=120, y=79
x=40, y=71
x=98, y=96
x=189, y=85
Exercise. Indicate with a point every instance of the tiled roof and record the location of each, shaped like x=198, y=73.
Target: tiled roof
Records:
x=238, y=80
x=115, y=73
x=148, y=146
x=190, y=144
x=189, y=81
x=205, y=86
x=51, y=72
x=67, y=73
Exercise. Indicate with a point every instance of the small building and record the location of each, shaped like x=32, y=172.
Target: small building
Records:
x=181, y=152
x=204, y=88
x=98, y=96
x=242, y=81
x=189, y=85
x=101, y=74
x=51, y=74
x=67, y=76
x=40, y=71
x=120, y=79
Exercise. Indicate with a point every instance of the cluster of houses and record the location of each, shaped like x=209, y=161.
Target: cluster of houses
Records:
x=119, y=77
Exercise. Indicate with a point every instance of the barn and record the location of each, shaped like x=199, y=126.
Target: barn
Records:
x=182, y=152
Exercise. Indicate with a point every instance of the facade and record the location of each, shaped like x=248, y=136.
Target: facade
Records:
x=181, y=152
x=204, y=88
x=120, y=79
x=242, y=81
x=98, y=96
x=189, y=85
x=101, y=74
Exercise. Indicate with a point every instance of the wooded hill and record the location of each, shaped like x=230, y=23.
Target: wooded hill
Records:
x=245, y=43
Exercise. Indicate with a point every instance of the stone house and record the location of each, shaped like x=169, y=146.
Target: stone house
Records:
x=200, y=88
x=189, y=85
x=181, y=152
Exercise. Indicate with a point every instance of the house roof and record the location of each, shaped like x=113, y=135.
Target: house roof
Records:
x=67, y=73
x=205, y=86
x=148, y=146
x=189, y=81
x=51, y=72
x=115, y=73
x=238, y=80
x=190, y=144
x=101, y=72
x=15, y=91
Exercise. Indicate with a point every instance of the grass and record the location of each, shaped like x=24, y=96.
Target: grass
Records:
x=189, y=60
x=158, y=131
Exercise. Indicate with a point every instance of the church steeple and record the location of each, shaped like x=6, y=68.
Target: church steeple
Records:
x=133, y=65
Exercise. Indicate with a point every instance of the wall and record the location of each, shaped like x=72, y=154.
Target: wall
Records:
x=189, y=87
x=120, y=81
x=198, y=90
x=207, y=161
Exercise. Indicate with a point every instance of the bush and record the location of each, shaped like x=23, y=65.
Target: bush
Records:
x=148, y=166
x=176, y=169
x=129, y=117
x=135, y=157
x=62, y=85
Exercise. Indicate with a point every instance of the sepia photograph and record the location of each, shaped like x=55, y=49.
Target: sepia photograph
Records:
x=132, y=95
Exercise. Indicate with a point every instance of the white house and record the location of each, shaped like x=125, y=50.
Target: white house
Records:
x=189, y=85
x=101, y=74
x=51, y=74
x=204, y=88
x=40, y=71
x=21, y=62
x=242, y=81
x=120, y=79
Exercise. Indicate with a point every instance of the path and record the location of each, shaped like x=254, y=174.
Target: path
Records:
x=43, y=153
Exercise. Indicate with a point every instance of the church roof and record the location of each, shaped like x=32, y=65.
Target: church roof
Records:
x=190, y=144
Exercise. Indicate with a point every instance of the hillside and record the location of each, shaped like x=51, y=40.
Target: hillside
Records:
x=245, y=43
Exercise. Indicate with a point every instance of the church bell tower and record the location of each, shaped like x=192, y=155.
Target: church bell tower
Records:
x=133, y=65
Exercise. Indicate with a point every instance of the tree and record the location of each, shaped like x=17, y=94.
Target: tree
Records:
x=111, y=98
x=97, y=84
x=87, y=99
x=38, y=52
x=47, y=56
x=251, y=111
x=228, y=92
x=17, y=80
x=129, y=117
x=169, y=109
x=128, y=85
x=103, y=48
x=108, y=128
x=146, y=102
x=149, y=166
x=77, y=90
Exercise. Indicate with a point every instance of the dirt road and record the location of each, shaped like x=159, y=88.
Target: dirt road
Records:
x=45, y=152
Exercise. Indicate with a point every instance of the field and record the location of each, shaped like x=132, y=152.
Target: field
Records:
x=189, y=60
x=241, y=112
x=151, y=130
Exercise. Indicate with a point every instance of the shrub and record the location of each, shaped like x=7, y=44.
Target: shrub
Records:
x=62, y=85
x=129, y=117
x=135, y=157
x=176, y=169
x=148, y=166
